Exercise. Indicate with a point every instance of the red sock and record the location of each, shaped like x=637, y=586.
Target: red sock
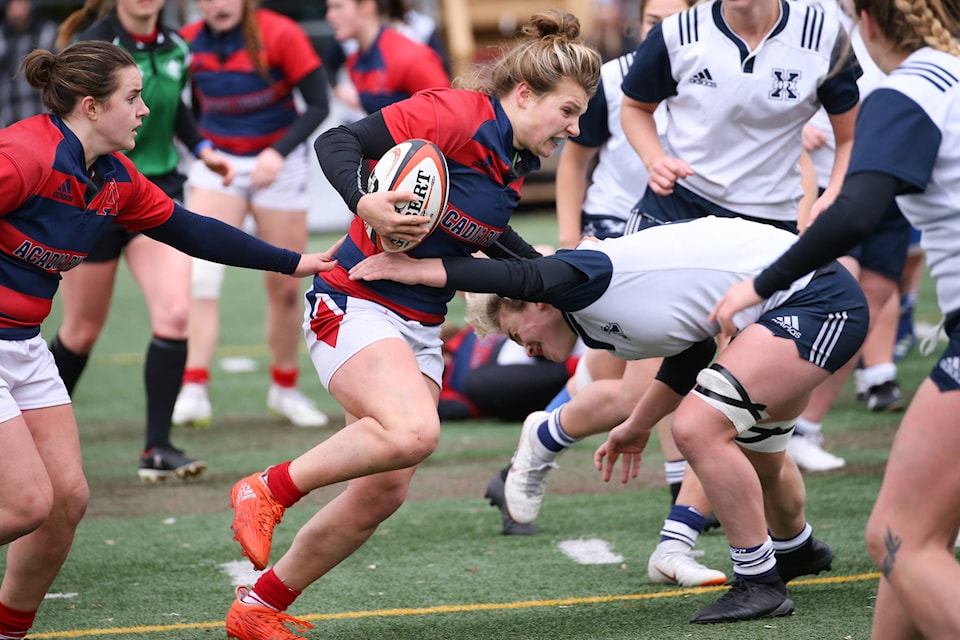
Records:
x=15, y=623
x=284, y=377
x=270, y=590
x=196, y=376
x=282, y=486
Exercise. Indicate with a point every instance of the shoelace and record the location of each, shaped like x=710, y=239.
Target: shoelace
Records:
x=276, y=619
x=264, y=521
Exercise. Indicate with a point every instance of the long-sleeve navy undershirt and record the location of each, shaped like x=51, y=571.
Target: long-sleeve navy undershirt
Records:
x=210, y=239
x=857, y=211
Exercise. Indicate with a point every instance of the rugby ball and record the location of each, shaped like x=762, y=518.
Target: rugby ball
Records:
x=416, y=166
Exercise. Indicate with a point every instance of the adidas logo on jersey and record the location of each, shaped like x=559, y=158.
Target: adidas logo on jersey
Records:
x=791, y=324
x=703, y=78
x=951, y=367
x=64, y=192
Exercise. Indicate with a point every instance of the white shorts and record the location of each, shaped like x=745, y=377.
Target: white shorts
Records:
x=289, y=192
x=339, y=328
x=29, y=378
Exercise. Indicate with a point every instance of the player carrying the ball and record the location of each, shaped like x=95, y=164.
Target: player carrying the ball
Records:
x=376, y=346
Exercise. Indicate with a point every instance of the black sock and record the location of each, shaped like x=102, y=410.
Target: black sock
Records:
x=674, y=491
x=162, y=375
x=70, y=364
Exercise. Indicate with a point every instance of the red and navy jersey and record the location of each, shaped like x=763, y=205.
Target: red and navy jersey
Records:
x=485, y=178
x=52, y=210
x=394, y=68
x=241, y=112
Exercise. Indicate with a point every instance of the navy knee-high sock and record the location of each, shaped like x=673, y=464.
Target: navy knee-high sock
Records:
x=162, y=375
x=70, y=363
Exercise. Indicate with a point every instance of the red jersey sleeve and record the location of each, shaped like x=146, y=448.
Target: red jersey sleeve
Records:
x=14, y=180
x=146, y=205
x=446, y=117
x=287, y=45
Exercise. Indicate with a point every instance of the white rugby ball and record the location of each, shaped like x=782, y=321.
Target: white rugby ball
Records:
x=416, y=166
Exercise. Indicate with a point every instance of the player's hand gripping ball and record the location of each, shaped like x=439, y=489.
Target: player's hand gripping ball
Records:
x=416, y=166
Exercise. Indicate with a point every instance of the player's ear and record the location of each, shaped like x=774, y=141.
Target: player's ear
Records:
x=90, y=108
x=524, y=94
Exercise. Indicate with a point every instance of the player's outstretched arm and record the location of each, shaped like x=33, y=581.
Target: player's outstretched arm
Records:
x=400, y=267
x=313, y=263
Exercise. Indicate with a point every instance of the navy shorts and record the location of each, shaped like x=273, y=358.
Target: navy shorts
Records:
x=601, y=227
x=884, y=251
x=827, y=320
x=111, y=242
x=946, y=373
x=684, y=204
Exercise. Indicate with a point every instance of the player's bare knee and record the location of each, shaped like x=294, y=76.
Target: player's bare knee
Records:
x=73, y=504
x=33, y=509
x=686, y=435
x=171, y=320
x=414, y=446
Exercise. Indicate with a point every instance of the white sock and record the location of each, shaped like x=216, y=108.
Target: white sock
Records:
x=549, y=439
x=804, y=427
x=673, y=470
x=794, y=543
x=756, y=561
x=879, y=373
x=254, y=599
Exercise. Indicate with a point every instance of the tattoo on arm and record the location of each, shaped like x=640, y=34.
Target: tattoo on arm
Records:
x=892, y=543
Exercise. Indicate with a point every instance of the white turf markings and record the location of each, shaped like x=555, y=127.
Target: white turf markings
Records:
x=582, y=551
x=240, y=572
x=589, y=551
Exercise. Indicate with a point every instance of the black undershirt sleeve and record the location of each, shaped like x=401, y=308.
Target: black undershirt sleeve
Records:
x=313, y=88
x=208, y=238
x=186, y=128
x=679, y=372
x=538, y=280
x=511, y=245
x=857, y=211
x=342, y=151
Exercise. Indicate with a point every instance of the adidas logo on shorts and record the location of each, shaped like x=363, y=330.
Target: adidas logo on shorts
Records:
x=791, y=324
x=951, y=367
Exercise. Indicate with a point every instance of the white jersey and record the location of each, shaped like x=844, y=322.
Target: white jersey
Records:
x=822, y=157
x=679, y=288
x=619, y=178
x=735, y=115
x=909, y=127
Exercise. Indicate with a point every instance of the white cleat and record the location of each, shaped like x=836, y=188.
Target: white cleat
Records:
x=292, y=404
x=809, y=454
x=192, y=408
x=679, y=567
x=526, y=481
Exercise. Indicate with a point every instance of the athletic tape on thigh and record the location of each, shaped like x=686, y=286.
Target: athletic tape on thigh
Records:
x=206, y=278
x=581, y=376
x=769, y=437
x=722, y=391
